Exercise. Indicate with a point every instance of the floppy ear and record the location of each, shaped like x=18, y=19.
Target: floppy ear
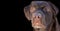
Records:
x=55, y=9
x=27, y=12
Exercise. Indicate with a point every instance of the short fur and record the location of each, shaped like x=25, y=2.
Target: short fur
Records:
x=49, y=7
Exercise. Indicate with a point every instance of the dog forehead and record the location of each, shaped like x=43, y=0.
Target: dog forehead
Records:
x=39, y=3
x=36, y=2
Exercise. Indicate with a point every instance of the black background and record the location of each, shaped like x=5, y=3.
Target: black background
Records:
x=21, y=22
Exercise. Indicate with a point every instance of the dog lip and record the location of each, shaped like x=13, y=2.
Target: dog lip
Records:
x=39, y=27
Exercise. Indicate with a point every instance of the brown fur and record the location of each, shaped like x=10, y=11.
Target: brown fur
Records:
x=49, y=7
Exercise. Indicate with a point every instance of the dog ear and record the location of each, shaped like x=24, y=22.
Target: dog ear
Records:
x=27, y=12
x=55, y=9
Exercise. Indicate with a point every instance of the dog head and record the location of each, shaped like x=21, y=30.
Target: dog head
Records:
x=40, y=13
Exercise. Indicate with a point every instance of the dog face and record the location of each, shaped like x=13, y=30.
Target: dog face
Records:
x=40, y=13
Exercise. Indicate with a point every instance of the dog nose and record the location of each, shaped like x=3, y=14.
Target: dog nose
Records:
x=37, y=20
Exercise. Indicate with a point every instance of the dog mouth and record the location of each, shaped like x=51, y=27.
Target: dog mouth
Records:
x=39, y=26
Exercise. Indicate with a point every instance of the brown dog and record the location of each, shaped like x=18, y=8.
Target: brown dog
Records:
x=42, y=15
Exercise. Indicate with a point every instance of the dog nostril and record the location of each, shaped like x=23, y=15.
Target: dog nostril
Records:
x=38, y=16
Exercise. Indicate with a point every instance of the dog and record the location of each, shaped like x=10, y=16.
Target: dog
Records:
x=42, y=15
